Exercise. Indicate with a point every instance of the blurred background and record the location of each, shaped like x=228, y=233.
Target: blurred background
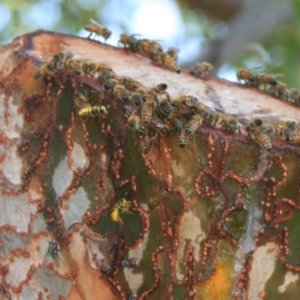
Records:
x=261, y=35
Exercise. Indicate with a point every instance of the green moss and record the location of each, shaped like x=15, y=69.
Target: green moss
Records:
x=238, y=224
x=35, y=146
x=276, y=280
x=96, y=136
x=89, y=184
x=57, y=152
x=209, y=268
x=64, y=107
x=292, y=291
x=105, y=224
x=178, y=291
x=294, y=246
x=155, y=239
x=77, y=134
x=176, y=205
x=165, y=272
x=133, y=228
x=288, y=188
x=236, y=163
x=225, y=253
x=230, y=188
x=200, y=209
x=212, y=204
x=254, y=194
x=275, y=171
x=133, y=165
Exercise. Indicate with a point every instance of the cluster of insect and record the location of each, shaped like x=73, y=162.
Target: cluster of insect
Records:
x=151, y=111
x=145, y=47
x=149, y=48
x=269, y=84
x=169, y=120
x=264, y=133
x=160, y=116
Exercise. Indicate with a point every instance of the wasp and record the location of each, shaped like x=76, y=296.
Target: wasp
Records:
x=92, y=110
x=122, y=206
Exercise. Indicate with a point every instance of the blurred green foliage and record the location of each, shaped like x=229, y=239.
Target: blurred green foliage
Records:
x=66, y=16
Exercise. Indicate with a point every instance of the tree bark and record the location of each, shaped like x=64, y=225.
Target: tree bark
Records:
x=217, y=219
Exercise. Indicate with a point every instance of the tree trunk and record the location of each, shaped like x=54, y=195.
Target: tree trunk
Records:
x=216, y=219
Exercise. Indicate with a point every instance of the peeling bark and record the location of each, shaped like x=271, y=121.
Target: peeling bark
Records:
x=214, y=220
